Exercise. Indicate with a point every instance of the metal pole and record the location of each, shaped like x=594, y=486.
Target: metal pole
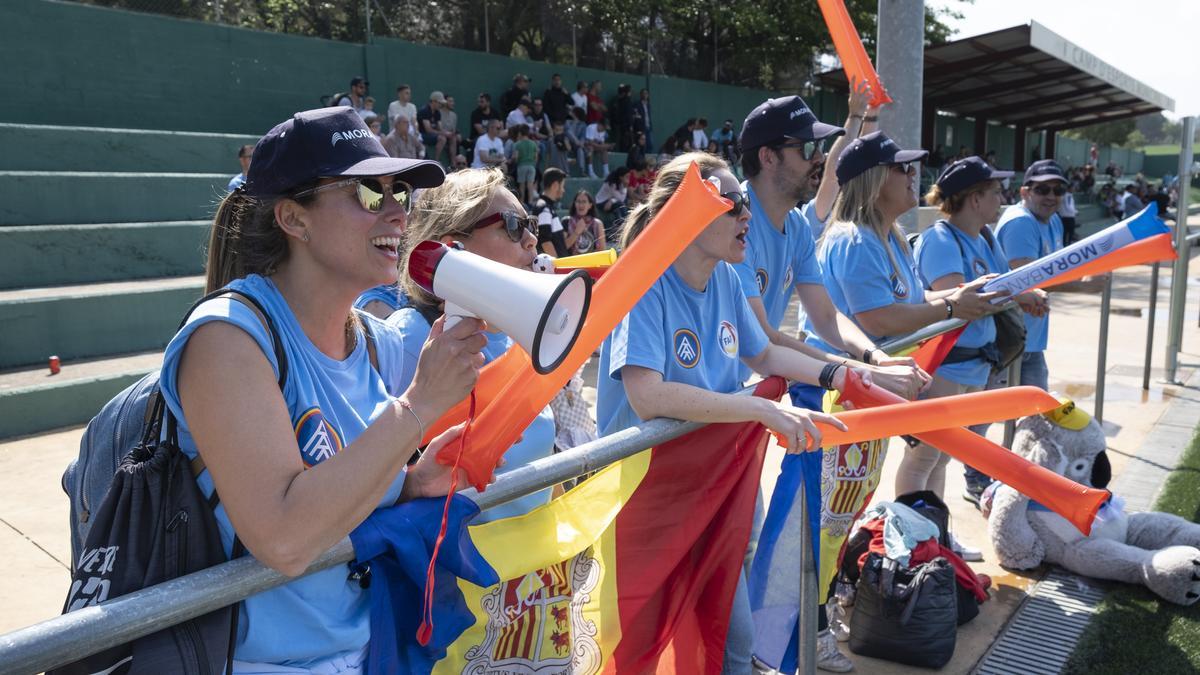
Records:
x=900, y=56
x=806, y=624
x=1179, y=272
x=1102, y=349
x=1010, y=426
x=1153, y=309
x=367, y=10
x=487, y=30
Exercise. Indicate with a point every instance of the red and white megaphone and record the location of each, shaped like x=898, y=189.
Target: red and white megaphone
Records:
x=543, y=313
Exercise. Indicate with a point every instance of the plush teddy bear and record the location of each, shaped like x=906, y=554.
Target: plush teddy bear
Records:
x=1159, y=550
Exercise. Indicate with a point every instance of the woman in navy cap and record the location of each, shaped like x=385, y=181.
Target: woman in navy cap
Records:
x=299, y=463
x=866, y=263
x=960, y=248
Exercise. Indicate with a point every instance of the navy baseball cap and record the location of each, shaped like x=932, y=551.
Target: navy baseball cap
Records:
x=866, y=152
x=1044, y=170
x=786, y=117
x=964, y=173
x=325, y=143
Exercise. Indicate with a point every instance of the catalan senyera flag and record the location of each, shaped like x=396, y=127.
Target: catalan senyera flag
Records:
x=634, y=570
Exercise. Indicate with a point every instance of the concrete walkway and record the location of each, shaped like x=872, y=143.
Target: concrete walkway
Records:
x=34, y=530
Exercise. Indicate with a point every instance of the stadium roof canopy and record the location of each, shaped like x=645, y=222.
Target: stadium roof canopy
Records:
x=1029, y=77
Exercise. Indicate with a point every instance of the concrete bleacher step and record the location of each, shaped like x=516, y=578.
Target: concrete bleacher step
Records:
x=104, y=149
x=47, y=255
x=34, y=401
x=66, y=197
x=90, y=320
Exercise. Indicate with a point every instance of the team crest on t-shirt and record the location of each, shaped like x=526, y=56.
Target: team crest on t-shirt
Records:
x=787, y=278
x=687, y=348
x=979, y=267
x=727, y=337
x=761, y=276
x=317, y=438
x=899, y=289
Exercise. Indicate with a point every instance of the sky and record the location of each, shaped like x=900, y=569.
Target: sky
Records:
x=1156, y=41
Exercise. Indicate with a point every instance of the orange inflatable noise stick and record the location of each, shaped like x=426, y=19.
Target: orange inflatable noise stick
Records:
x=1075, y=502
x=912, y=417
x=1158, y=248
x=594, y=263
x=850, y=49
x=693, y=206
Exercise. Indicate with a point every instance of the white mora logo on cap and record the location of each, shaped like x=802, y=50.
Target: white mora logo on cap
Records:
x=348, y=135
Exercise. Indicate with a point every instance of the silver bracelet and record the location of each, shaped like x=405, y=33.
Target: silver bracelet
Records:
x=408, y=406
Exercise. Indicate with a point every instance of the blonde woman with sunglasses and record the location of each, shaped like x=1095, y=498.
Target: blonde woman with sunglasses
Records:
x=475, y=208
x=299, y=464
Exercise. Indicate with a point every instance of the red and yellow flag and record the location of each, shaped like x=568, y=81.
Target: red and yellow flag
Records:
x=633, y=571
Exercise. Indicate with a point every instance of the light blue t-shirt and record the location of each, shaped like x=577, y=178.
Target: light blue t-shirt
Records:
x=693, y=337
x=815, y=224
x=389, y=294
x=944, y=249
x=860, y=275
x=323, y=615
x=236, y=182
x=1022, y=235
x=536, y=442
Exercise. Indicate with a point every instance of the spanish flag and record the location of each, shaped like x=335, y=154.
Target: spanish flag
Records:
x=632, y=571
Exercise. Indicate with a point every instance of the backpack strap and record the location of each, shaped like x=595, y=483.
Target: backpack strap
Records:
x=372, y=353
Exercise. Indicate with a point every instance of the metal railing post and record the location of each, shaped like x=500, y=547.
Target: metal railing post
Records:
x=1014, y=379
x=1179, y=272
x=806, y=624
x=1102, y=348
x=1153, y=309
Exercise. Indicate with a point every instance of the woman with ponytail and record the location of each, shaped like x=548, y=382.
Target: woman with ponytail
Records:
x=300, y=463
x=678, y=353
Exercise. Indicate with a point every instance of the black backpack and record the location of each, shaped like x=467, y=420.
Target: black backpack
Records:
x=148, y=522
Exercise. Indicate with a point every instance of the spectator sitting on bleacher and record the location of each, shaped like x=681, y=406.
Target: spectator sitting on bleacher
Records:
x=726, y=142
x=684, y=136
x=551, y=235
x=700, y=135
x=481, y=115
x=562, y=147
x=576, y=128
x=670, y=148
x=449, y=125
x=579, y=98
x=1131, y=203
x=459, y=163
x=557, y=100
x=641, y=179
x=520, y=115
x=539, y=130
x=244, y=154
x=520, y=90
x=596, y=110
x=368, y=110
x=403, y=105
x=525, y=158
x=402, y=141
x=354, y=97
x=375, y=125
x=637, y=151
x=613, y=198
x=430, y=117
x=585, y=232
x=595, y=141
x=489, y=149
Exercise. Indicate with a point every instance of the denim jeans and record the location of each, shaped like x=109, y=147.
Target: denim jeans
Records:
x=739, y=641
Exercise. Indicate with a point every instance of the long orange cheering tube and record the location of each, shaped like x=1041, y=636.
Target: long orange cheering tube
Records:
x=850, y=49
x=693, y=206
x=1158, y=248
x=492, y=379
x=913, y=417
x=1075, y=502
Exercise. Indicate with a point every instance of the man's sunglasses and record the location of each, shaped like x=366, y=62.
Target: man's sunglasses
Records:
x=808, y=149
x=514, y=225
x=1043, y=190
x=370, y=192
x=740, y=202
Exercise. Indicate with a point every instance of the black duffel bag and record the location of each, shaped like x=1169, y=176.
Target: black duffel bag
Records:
x=905, y=615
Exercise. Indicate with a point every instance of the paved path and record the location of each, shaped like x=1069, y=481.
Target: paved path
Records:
x=34, y=530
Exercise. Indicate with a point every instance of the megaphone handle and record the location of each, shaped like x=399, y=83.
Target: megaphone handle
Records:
x=454, y=314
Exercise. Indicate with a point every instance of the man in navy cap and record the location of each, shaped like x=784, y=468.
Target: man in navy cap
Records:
x=783, y=145
x=1030, y=230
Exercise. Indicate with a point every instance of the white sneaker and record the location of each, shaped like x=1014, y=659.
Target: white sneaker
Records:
x=829, y=657
x=837, y=620
x=967, y=553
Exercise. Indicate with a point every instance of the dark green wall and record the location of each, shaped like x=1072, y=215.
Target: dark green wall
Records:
x=77, y=65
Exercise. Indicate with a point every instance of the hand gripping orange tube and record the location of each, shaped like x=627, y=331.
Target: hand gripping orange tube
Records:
x=850, y=49
x=1075, y=502
x=1151, y=249
x=912, y=417
x=693, y=206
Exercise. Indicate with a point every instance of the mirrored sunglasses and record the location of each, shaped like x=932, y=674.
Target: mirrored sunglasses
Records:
x=808, y=149
x=370, y=192
x=515, y=225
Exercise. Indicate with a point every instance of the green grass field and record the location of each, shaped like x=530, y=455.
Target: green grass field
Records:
x=1134, y=631
x=1167, y=149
